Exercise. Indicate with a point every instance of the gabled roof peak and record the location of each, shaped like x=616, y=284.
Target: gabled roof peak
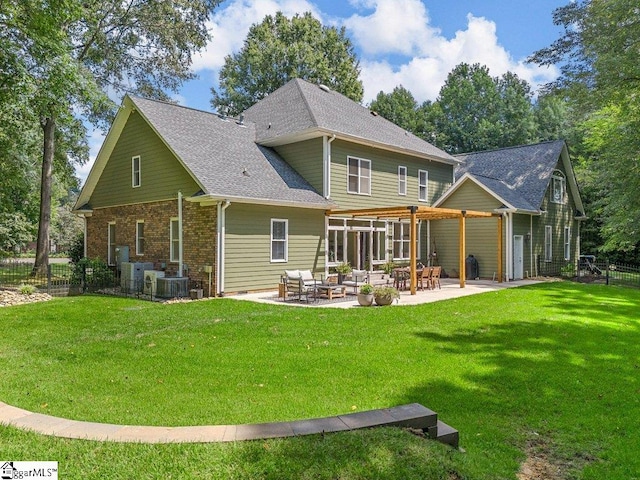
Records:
x=300, y=110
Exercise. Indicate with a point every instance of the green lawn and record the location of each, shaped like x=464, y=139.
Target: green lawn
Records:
x=551, y=369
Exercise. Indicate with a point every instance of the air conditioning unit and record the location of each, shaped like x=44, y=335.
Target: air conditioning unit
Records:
x=132, y=275
x=151, y=281
x=173, y=287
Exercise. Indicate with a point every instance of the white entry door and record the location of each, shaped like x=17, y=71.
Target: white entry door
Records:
x=518, y=257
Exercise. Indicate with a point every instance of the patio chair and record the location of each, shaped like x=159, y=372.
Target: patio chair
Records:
x=435, y=277
x=299, y=283
x=400, y=277
x=355, y=279
x=425, y=278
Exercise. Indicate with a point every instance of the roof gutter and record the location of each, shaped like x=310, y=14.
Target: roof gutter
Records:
x=210, y=199
x=317, y=132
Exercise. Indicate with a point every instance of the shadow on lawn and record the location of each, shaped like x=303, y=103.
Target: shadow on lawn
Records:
x=565, y=374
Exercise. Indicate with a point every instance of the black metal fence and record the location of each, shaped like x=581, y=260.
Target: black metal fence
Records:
x=62, y=279
x=591, y=270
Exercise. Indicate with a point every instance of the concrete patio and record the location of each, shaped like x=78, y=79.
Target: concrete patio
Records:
x=450, y=289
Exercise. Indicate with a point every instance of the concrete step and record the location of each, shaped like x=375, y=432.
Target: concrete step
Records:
x=444, y=433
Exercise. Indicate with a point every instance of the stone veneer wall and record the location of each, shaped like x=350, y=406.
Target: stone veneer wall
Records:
x=198, y=227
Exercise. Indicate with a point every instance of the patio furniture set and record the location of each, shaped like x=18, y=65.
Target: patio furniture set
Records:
x=427, y=277
x=299, y=284
x=303, y=284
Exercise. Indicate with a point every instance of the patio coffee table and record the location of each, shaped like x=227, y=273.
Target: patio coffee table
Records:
x=331, y=291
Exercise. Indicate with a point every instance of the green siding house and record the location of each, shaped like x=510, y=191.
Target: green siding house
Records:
x=232, y=203
x=535, y=190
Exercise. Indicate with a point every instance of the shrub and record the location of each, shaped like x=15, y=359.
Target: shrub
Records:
x=76, y=249
x=27, y=289
x=366, y=289
x=388, y=267
x=343, y=268
x=92, y=272
x=568, y=271
x=386, y=291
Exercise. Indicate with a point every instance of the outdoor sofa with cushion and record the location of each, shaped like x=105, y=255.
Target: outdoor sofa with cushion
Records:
x=300, y=283
x=355, y=279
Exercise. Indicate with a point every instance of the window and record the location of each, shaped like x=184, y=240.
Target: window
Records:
x=135, y=171
x=279, y=240
x=548, y=254
x=401, y=241
x=359, y=176
x=140, y=237
x=402, y=180
x=174, y=239
x=567, y=243
x=111, y=243
x=336, y=246
x=557, y=187
x=379, y=245
x=423, y=185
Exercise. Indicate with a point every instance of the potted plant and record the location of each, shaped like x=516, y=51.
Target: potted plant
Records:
x=388, y=267
x=385, y=295
x=365, y=295
x=343, y=268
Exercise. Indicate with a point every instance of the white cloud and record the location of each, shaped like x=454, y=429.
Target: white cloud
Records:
x=229, y=27
x=392, y=27
x=434, y=55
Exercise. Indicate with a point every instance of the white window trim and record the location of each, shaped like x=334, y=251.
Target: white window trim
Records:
x=360, y=162
x=133, y=171
x=425, y=185
x=138, y=238
x=173, y=259
x=110, y=242
x=548, y=243
x=286, y=241
x=402, y=180
x=558, y=176
x=567, y=243
x=401, y=241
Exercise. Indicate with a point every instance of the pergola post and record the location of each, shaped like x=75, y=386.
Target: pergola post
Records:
x=500, y=249
x=413, y=248
x=463, y=246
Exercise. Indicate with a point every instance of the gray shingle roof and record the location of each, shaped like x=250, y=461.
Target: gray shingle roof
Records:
x=224, y=157
x=519, y=175
x=299, y=108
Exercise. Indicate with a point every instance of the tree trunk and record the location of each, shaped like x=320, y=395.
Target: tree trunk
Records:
x=42, y=246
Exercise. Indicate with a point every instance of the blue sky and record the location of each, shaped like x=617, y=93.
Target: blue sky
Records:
x=415, y=43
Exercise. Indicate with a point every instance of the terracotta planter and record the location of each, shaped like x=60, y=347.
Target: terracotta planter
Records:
x=365, y=299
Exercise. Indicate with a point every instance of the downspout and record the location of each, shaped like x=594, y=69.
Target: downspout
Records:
x=326, y=170
x=531, y=245
x=180, y=256
x=84, y=253
x=221, y=227
x=509, y=246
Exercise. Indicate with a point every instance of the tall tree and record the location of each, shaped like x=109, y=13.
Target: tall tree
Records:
x=515, y=111
x=71, y=53
x=475, y=111
x=401, y=108
x=598, y=54
x=279, y=49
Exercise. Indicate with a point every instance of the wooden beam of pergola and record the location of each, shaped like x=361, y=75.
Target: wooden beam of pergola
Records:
x=421, y=213
x=415, y=213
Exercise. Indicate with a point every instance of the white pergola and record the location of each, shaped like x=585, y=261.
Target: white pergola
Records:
x=415, y=213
